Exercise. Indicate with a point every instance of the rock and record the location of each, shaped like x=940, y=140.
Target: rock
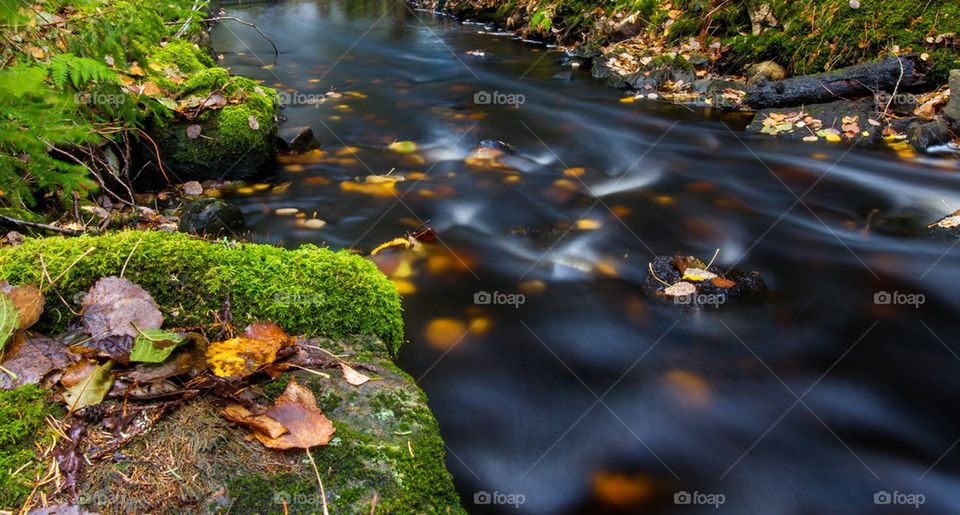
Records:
x=928, y=134
x=566, y=76
x=828, y=120
x=699, y=62
x=480, y=56
x=192, y=189
x=946, y=228
x=211, y=217
x=730, y=285
x=684, y=75
x=952, y=111
x=765, y=71
x=297, y=139
x=761, y=16
x=496, y=144
x=902, y=104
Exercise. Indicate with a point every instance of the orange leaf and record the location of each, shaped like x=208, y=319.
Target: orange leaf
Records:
x=297, y=411
x=720, y=282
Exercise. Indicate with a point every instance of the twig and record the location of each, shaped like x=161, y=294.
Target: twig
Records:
x=323, y=495
x=276, y=51
x=654, y=274
x=125, y=263
x=37, y=225
x=895, y=88
x=305, y=369
x=75, y=261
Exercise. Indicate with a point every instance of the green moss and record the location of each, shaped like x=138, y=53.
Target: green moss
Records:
x=307, y=291
x=187, y=56
x=22, y=412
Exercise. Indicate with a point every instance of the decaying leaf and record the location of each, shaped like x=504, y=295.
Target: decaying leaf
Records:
x=116, y=306
x=244, y=355
x=680, y=289
x=193, y=131
x=296, y=410
x=28, y=302
x=35, y=358
x=259, y=423
x=352, y=376
x=91, y=390
x=115, y=347
x=697, y=274
x=77, y=372
x=721, y=282
x=396, y=242
x=949, y=222
x=252, y=121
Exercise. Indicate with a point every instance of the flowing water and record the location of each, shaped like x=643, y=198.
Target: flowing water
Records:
x=589, y=396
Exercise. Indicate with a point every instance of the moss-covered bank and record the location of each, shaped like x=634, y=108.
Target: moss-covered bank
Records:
x=310, y=290
x=806, y=37
x=387, y=452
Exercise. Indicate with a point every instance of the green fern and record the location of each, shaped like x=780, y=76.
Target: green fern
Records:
x=68, y=69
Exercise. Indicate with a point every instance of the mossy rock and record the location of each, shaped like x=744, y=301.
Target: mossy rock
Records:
x=236, y=141
x=309, y=290
x=386, y=452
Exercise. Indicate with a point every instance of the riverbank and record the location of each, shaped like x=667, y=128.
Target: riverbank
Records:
x=730, y=55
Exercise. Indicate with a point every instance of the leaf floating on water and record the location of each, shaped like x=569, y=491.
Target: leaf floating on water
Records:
x=155, y=346
x=721, y=282
x=91, y=390
x=193, y=131
x=403, y=147
x=115, y=306
x=949, y=222
x=680, y=289
x=381, y=179
x=697, y=274
x=352, y=376
x=253, y=123
x=380, y=189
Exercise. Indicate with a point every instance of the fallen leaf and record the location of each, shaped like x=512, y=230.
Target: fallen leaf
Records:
x=151, y=88
x=35, y=358
x=116, y=306
x=77, y=372
x=253, y=123
x=697, y=274
x=28, y=302
x=680, y=289
x=240, y=357
x=115, y=346
x=296, y=410
x=721, y=282
x=396, y=242
x=403, y=147
x=267, y=332
x=155, y=346
x=262, y=424
x=91, y=390
x=352, y=376
x=193, y=131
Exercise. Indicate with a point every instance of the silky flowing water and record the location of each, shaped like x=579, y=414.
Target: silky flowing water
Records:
x=589, y=396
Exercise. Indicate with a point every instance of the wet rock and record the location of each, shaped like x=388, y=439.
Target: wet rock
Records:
x=211, y=217
x=699, y=62
x=479, y=56
x=683, y=75
x=829, y=121
x=952, y=111
x=496, y=144
x=297, y=139
x=901, y=104
x=928, y=134
x=765, y=71
x=946, y=228
x=720, y=286
x=563, y=76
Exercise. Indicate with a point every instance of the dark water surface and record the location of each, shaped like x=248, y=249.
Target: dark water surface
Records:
x=589, y=396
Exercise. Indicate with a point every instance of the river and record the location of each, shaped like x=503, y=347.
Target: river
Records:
x=570, y=391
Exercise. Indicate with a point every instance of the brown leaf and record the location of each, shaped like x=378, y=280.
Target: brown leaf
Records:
x=77, y=371
x=115, y=347
x=261, y=424
x=252, y=121
x=297, y=411
x=115, y=305
x=267, y=332
x=151, y=88
x=34, y=358
x=29, y=303
x=352, y=376
x=721, y=282
x=193, y=131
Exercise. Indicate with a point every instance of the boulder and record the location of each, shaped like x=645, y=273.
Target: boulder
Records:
x=946, y=228
x=729, y=286
x=952, y=111
x=923, y=135
x=297, y=139
x=848, y=120
x=765, y=71
x=211, y=217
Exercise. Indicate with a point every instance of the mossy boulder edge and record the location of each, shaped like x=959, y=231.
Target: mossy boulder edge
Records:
x=310, y=290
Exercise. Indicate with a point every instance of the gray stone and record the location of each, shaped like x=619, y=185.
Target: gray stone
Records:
x=211, y=217
x=952, y=111
x=831, y=117
x=925, y=135
x=297, y=139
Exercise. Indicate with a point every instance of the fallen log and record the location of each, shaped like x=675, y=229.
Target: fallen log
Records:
x=888, y=75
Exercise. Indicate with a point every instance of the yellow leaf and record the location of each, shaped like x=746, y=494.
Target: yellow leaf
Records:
x=403, y=147
x=396, y=242
x=381, y=189
x=244, y=355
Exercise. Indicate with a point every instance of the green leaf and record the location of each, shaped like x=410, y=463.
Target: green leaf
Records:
x=91, y=390
x=169, y=103
x=8, y=320
x=403, y=147
x=155, y=345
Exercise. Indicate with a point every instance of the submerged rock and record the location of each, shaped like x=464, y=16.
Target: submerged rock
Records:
x=297, y=139
x=844, y=120
x=211, y=217
x=496, y=144
x=946, y=228
x=924, y=135
x=690, y=283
